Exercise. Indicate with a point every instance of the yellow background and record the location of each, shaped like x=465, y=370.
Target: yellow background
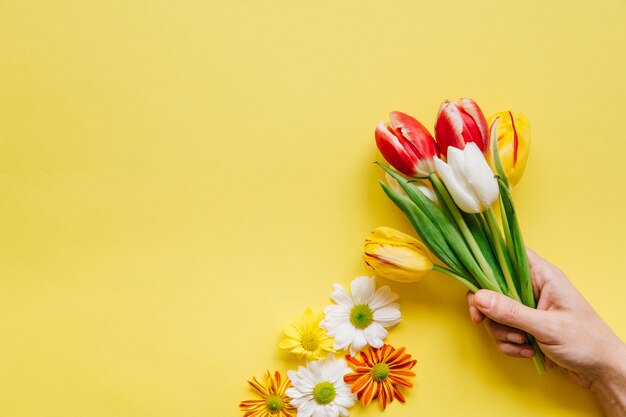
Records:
x=179, y=179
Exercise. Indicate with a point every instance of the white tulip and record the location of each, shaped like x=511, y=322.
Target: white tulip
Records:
x=468, y=178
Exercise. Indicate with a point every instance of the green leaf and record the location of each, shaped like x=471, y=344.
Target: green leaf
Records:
x=476, y=261
x=526, y=286
x=447, y=226
x=428, y=232
x=484, y=243
x=495, y=152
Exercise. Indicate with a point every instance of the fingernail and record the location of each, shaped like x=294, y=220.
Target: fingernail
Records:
x=527, y=352
x=485, y=299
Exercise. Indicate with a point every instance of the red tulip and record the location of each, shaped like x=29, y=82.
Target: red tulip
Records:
x=407, y=145
x=459, y=123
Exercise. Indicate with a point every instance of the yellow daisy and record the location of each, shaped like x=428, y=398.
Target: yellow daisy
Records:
x=274, y=402
x=306, y=338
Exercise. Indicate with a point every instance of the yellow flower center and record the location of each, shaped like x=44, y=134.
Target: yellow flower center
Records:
x=324, y=393
x=380, y=371
x=361, y=316
x=310, y=342
x=274, y=403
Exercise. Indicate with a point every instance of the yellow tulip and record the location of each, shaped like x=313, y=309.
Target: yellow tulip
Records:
x=513, y=143
x=397, y=256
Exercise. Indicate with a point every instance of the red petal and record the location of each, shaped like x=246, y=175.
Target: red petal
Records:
x=515, y=139
x=479, y=123
x=449, y=128
x=396, y=150
x=415, y=133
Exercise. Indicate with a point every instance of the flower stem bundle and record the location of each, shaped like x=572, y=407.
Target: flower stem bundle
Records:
x=456, y=222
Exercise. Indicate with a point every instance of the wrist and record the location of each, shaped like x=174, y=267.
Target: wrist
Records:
x=609, y=382
x=612, y=365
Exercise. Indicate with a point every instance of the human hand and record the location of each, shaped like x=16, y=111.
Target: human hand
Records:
x=568, y=330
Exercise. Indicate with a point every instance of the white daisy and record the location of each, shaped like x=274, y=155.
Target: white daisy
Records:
x=358, y=320
x=318, y=390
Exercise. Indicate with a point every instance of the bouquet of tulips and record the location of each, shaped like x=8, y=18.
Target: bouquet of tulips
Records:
x=447, y=188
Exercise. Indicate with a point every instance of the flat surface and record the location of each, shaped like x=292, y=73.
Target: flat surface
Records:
x=179, y=179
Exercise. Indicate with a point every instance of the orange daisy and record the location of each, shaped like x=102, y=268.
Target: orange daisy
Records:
x=380, y=373
x=273, y=400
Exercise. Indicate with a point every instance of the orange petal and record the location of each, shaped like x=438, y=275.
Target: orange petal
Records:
x=361, y=383
x=398, y=394
x=368, y=392
x=402, y=373
x=258, y=387
x=400, y=381
x=395, y=355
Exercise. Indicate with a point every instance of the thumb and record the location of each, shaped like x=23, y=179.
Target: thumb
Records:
x=507, y=311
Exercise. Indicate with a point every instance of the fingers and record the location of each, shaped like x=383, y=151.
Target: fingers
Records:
x=504, y=333
x=510, y=341
x=509, y=312
x=475, y=314
x=515, y=350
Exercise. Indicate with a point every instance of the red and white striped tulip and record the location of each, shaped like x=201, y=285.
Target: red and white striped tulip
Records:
x=459, y=123
x=407, y=145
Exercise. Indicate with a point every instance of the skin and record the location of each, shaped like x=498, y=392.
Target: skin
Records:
x=569, y=331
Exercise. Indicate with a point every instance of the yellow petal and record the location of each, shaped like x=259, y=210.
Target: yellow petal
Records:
x=292, y=332
x=404, y=263
x=512, y=127
x=298, y=350
x=288, y=343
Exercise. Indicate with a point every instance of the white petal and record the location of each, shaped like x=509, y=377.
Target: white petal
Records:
x=315, y=371
x=306, y=409
x=382, y=297
x=292, y=375
x=427, y=191
x=455, y=156
x=362, y=289
x=293, y=393
x=335, y=316
x=358, y=341
x=375, y=334
x=387, y=316
x=298, y=401
x=344, y=336
x=332, y=410
x=336, y=371
x=394, y=184
x=480, y=177
x=319, y=411
x=344, y=391
x=342, y=411
x=456, y=187
x=341, y=296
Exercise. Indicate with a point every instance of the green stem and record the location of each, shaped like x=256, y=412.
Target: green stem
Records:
x=510, y=245
x=498, y=243
x=490, y=282
x=538, y=358
x=456, y=276
x=526, y=287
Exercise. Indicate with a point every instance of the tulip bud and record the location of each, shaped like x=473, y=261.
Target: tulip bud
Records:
x=513, y=132
x=469, y=179
x=396, y=256
x=407, y=145
x=459, y=123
